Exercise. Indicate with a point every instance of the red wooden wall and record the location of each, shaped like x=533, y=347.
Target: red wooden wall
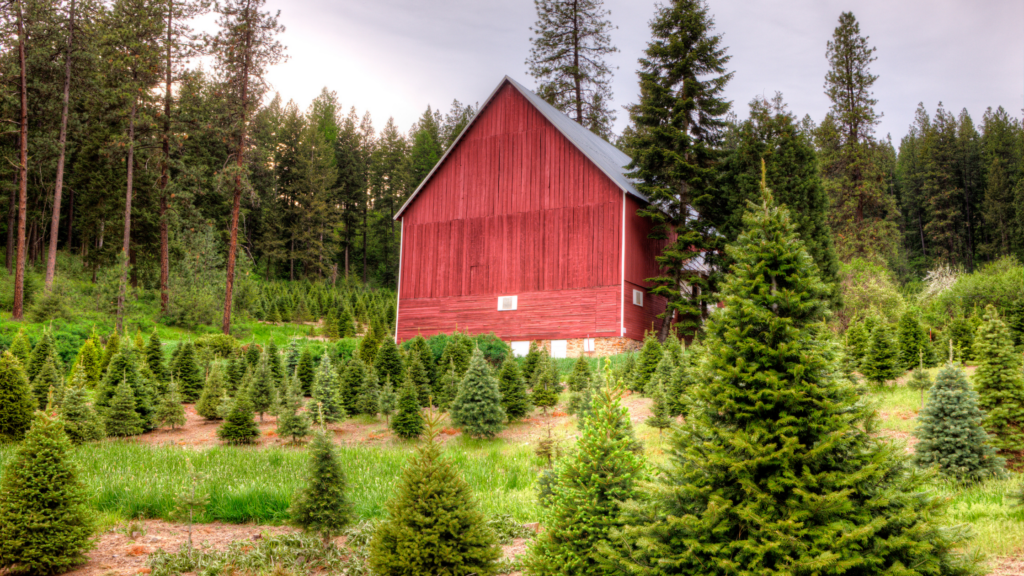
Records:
x=640, y=265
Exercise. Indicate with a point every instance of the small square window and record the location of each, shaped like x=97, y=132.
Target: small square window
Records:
x=508, y=303
x=520, y=348
x=638, y=298
x=558, y=348
x=588, y=344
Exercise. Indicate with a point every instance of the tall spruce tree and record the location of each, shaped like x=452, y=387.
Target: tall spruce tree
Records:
x=433, y=525
x=676, y=130
x=590, y=485
x=187, y=374
x=477, y=408
x=949, y=431
x=155, y=357
x=514, y=398
x=306, y=370
x=16, y=400
x=999, y=383
x=45, y=524
x=757, y=507
x=570, y=42
x=321, y=506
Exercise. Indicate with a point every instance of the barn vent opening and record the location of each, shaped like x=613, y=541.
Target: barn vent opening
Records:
x=638, y=298
x=508, y=303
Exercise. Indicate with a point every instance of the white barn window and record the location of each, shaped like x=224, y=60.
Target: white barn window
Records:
x=588, y=344
x=508, y=303
x=520, y=348
x=638, y=298
x=558, y=348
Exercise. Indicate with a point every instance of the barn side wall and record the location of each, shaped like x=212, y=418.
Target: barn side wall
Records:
x=640, y=264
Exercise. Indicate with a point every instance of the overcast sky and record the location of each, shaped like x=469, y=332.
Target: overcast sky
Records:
x=394, y=57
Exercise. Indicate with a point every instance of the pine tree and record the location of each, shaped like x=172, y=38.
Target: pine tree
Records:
x=388, y=362
x=544, y=386
x=45, y=349
x=352, y=383
x=291, y=358
x=253, y=355
x=589, y=486
x=124, y=367
x=170, y=411
x=449, y=385
x=919, y=380
x=306, y=370
x=736, y=503
x=673, y=140
x=209, y=401
x=187, y=374
x=477, y=407
x=999, y=383
x=262, y=389
x=121, y=418
x=368, y=401
x=21, y=348
x=89, y=359
x=684, y=380
x=235, y=374
x=458, y=351
x=579, y=379
x=408, y=422
x=416, y=374
x=291, y=423
x=81, y=422
x=882, y=363
x=388, y=401
x=47, y=381
x=646, y=363
x=570, y=42
x=1015, y=321
x=580, y=389
x=321, y=506
x=660, y=410
x=514, y=398
x=949, y=431
x=276, y=367
x=326, y=393
x=858, y=340
x=45, y=525
x=16, y=400
x=155, y=358
x=912, y=341
x=433, y=525
x=530, y=361
x=240, y=425
x=112, y=348
x=419, y=345
x=663, y=377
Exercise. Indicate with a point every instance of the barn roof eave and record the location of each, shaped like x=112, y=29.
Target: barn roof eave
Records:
x=600, y=152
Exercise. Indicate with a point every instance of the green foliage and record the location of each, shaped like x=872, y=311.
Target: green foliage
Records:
x=514, y=398
x=290, y=422
x=351, y=384
x=186, y=372
x=21, y=347
x=121, y=418
x=219, y=345
x=1000, y=383
x=660, y=410
x=321, y=506
x=913, y=340
x=1015, y=321
x=89, y=359
x=449, y=387
x=155, y=358
x=949, y=431
x=306, y=370
x=368, y=401
x=646, y=363
x=47, y=381
x=590, y=484
x=530, y=361
x=81, y=423
x=388, y=400
x=45, y=527
x=169, y=410
x=262, y=390
x=857, y=342
x=209, y=400
x=919, y=380
x=728, y=489
x=44, y=350
x=579, y=380
x=239, y=426
x=416, y=375
x=408, y=422
x=962, y=330
x=16, y=400
x=477, y=407
x=868, y=290
x=326, y=396
x=369, y=345
x=419, y=346
x=434, y=525
x=882, y=362
x=458, y=352
x=999, y=283
x=544, y=385
x=388, y=362
x=112, y=347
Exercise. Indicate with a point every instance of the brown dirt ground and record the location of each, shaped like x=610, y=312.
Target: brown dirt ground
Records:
x=118, y=553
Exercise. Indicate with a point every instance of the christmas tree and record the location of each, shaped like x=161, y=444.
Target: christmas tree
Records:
x=47, y=381
x=416, y=374
x=530, y=361
x=579, y=379
x=21, y=348
x=321, y=506
x=276, y=367
x=545, y=386
x=187, y=374
x=646, y=363
x=408, y=422
x=660, y=417
x=81, y=422
x=449, y=385
x=912, y=341
x=1014, y=320
x=122, y=418
x=209, y=400
x=949, y=431
x=113, y=346
x=235, y=373
x=326, y=393
x=368, y=401
x=514, y=398
x=169, y=410
x=882, y=362
x=292, y=423
x=583, y=507
x=772, y=437
x=369, y=345
x=239, y=426
x=253, y=355
x=477, y=407
x=388, y=362
x=419, y=345
x=458, y=352
x=999, y=383
x=857, y=341
x=351, y=384
x=16, y=400
x=45, y=526
x=306, y=370
x=388, y=401
x=262, y=389
x=291, y=358
x=89, y=359
x=919, y=380
x=433, y=525
x=155, y=358
x=580, y=393
x=45, y=350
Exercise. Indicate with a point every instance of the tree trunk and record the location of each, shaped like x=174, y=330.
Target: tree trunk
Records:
x=12, y=221
x=71, y=217
x=18, y=310
x=165, y=144
x=125, y=245
x=366, y=210
x=236, y=202
x=51, y=257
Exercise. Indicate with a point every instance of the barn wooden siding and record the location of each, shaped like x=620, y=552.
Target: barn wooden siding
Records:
x=640, y=265
x=516, y=209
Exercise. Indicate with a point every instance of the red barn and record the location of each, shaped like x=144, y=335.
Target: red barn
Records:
x=527, y=228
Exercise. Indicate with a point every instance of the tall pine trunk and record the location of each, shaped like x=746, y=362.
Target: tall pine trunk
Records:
x=165, y=144
x=18, y=310
x=236, y=202
x=12, y=220
x=126, y=244
x=51, y=258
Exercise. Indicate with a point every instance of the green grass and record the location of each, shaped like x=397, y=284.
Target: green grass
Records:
x=130, y=480
x=995, y=516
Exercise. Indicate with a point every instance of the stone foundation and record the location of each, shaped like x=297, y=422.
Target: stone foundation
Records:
x=602, y=346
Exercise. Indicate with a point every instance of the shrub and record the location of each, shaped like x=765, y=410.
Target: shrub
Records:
x=868, y=289
x=45, y=527
x=219, y=345
x=998, y=283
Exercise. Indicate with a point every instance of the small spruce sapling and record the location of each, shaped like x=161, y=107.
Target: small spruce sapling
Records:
x=514, y=398
x=240, y=425
x=81, y=422
x=660, y=417
x=369, y=394
x=882, y=362
x=416, y=373
x=169, y=411
x=530, y=361
x=191, y=502
x=919, y=380
x=325, y=391
x=408, y=422
x=449, y=385
x=646, y=363
x=477, y=407
x=292, y=423
x=121, y=418
x=351, y=383
x=262, y=390
x=388, y=401
x=321, y=506
x=388, y=361
x=209, y=401
x=306, y=370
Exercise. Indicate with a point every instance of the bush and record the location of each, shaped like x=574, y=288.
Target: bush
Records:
x=218, y=345
x=997, y=283
x=868, y=289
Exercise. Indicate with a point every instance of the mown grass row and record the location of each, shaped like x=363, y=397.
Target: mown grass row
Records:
x=128, y=480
